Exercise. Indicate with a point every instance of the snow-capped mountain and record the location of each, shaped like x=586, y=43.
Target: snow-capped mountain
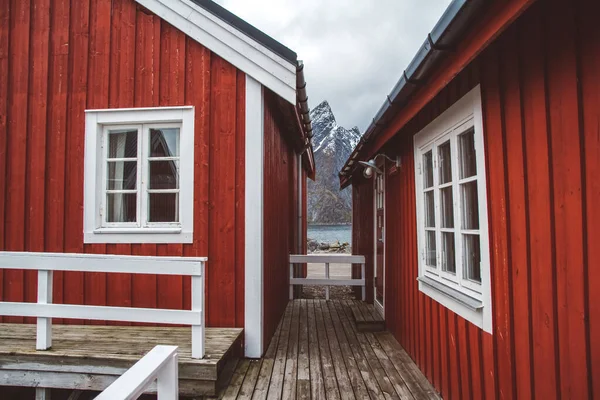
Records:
x=332, y=146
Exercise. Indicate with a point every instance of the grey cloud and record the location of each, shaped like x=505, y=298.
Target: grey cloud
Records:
x=354, y=52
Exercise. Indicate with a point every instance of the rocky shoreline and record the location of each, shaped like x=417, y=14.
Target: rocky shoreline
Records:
x=315, y=246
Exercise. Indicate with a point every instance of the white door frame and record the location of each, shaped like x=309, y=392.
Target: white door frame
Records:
x=379, y=307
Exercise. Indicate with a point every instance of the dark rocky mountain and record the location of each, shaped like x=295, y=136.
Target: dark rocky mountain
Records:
x=332, y=146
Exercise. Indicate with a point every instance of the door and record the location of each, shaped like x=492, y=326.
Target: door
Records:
x=379, y=280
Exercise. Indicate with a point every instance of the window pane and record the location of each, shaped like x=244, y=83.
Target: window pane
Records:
x=445, y=156
x=430, y=249
x=468, y=162
x=429, y=210
x=163, y=207
x=164, y=175
x=448, y=259
x=122, y=175
x=428, y=169
x=121, y=207
x=447, y=208
x=472, y=257
x=122, y=143
x=164, y=142
x=470, y=205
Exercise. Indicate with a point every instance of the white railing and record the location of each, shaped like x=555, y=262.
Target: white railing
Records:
x=327, y=282
x=159, y=364
x=44, y=310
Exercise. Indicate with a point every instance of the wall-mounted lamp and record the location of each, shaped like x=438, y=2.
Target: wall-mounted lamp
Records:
x=371, y=165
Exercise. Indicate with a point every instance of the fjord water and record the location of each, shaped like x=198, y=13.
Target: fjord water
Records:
x=330, y=233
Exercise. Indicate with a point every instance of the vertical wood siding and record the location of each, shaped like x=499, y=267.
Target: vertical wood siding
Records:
x=540, y=85
x=280, y=215
x=58, y=58
x=362, y=238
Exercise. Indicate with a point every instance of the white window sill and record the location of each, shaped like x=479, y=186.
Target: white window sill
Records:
x=467, y=307
x=138, y=235
x=144, y=231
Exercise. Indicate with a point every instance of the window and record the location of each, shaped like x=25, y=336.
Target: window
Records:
x=454, y=266
x=139, y=167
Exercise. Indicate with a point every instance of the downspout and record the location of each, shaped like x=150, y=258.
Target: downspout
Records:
x=300, y=204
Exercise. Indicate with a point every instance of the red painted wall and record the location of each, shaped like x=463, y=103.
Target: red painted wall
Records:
x=540, y=84
x=362, y=232
x=58, y=58
x=280, y=215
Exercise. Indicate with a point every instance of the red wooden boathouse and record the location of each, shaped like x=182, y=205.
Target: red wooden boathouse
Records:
x=481, y=225
x=155, y=128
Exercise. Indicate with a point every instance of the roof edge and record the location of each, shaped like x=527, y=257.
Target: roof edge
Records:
x=275, y=68
x=439, y=42
x=248, y=29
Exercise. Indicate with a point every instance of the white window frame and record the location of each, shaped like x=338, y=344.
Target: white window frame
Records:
x=97, y=124
x=469, y=299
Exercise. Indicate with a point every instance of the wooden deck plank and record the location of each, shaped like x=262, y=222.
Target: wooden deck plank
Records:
x=414, y=378
x=317, y=388
x=365, y=370
x=367, y=315
x=291, y=363
x=235, y=386
x=357, y=312
x=382, y=379
x=279, y=364
x=356, y=380
x=303, y=382
x=266, y=369
x=339, y=365
x=388, y=366
x=329, y=376
x=250, y=379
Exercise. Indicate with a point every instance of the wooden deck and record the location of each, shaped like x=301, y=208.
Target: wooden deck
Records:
x=317, y=353
x=91, y=357
x=366, y=317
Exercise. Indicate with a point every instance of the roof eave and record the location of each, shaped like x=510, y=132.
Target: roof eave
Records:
x=445, y=34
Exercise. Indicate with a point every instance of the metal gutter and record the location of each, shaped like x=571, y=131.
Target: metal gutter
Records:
x=304, y=114
x=444, y=36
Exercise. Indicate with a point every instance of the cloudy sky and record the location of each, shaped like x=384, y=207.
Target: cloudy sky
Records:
x=353, y=54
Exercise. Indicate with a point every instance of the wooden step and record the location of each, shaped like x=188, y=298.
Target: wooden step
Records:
x=366, y=317
x=91, y=357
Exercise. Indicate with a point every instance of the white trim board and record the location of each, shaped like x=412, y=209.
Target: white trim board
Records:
x=254, y=299
x=243, y=52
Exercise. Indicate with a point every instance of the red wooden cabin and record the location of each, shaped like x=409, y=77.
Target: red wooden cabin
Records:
x=481, y=230
x=157, y=128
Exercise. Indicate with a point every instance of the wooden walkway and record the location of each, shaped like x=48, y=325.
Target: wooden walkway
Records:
x=91, y=357
x=317, y=353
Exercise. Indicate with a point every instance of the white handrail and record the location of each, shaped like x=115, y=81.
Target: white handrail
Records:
x=327, y=282
x=44, y=310
x=159, y=364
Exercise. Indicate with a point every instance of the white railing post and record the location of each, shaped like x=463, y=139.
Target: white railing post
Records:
x=167, y=380
x=44, y=325
x=327, y=277
x=291, y=277
x=198, y=305
x=364, y=278
x=160, y=364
